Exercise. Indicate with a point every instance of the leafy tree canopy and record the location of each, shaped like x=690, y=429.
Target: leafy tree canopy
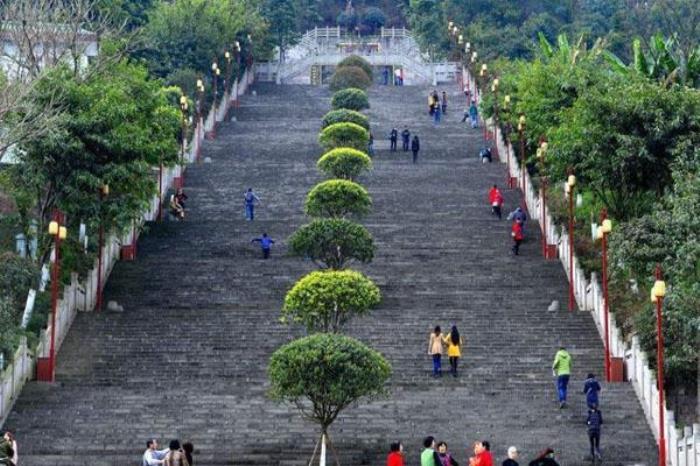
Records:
x=338, y=198
x=333, y=243
x=344, y=162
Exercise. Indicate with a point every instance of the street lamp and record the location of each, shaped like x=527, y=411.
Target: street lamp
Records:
x=104, y=192
x=570, y=188
x=472, y=65
x=657, y=296
x=541, y=155
x=237, y=55
x=183, y=135
x=46, y=371
x=227, y=79
x=494, y=89
x=484, y=75
x=602, y=234
x=521, y=133
x=215, y=78
x=506, y=138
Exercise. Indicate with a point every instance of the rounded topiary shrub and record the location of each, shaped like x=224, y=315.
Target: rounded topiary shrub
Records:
x=338, y=198
x=344, y=162
x=351, y=99
x=349, y=76
x=344, y=115
x=354, y=60
x=344, y=135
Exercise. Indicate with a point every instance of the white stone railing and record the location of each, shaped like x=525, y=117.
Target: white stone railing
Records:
x=82, y=296
x=682, y=445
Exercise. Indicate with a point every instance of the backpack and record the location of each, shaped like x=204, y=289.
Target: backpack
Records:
x=249, y=197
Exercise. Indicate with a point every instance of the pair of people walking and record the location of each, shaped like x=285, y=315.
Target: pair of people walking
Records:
x=473, y=114
x=436, y=454
x=436, y=346
x=518, y=217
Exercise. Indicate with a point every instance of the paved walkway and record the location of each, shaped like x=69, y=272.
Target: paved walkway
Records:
x=187, y=358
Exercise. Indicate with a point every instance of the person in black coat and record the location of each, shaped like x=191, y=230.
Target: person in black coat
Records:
x=546, y=458
x=594, y=422
x=405, y=138
x=415, y=147
x=393, y=136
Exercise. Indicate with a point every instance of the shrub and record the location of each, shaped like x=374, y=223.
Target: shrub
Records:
x=350, y=98
x=344, y=135
x=17, y=276
x=356, y=61
x=325, y=301
x=349, y=76
x=325, y=373
x=344, y=162
x=332, y=243
x=338, y=198
x=344, y=115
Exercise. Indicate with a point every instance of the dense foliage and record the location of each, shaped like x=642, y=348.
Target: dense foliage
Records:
x=344, y=162
x=351, y=99
x=323, y=374
x=325, y=300
x=338, y=198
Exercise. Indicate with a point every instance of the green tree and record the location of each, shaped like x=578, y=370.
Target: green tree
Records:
x=115, y=127
x=351, y=99
x=324, y=301
x=323, y=374
x=622, y=139
x=190, y=33
x=332, y=243
x=338, y=198
x=281, y=17
x=344, y=162
x=373, y=18
x=344, y=115
x=344, y=135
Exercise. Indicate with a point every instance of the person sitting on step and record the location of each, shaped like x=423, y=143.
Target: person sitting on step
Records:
x=176, y=209
x=181, y=197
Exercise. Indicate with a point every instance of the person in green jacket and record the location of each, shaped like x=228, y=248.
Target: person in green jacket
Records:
x=562, y=370
x=427, y=458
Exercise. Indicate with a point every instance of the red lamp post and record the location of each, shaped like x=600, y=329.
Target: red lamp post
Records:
x=184, y=106
x=602, y=234
x=215, y=72
x=200, y=108
x=104, y=191
x=521, y=134
x=237, y=55
x=541, y=155
x=465, y=64
x=227, y=79
x=476, y=86
x=570, y=188
x=657, y=296
x=46, y=367
x=484, y=74
x=506, y=139
x=494, y=89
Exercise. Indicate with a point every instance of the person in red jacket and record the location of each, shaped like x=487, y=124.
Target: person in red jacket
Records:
x=482, y=455
x=395, y=457
x=517, y=234
x=496, y=201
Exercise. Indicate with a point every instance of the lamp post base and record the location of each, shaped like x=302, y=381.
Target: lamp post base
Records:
x=44, y=371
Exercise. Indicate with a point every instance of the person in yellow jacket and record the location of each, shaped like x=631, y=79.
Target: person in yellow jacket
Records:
x=454, y=344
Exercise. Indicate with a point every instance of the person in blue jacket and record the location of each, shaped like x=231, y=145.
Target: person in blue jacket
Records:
x=591, y=388
x=265, y=244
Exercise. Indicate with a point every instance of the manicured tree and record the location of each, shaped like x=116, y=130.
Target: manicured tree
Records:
x=349, y=77
x=323, y=374
x=325, y=300
x=338, y=198
x=344, y=115
x=344, y=162
x=344, y=135
x=350, y=98
x=332, y=243
x=356, y=61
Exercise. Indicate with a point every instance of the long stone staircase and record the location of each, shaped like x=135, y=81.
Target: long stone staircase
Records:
x=187, y=358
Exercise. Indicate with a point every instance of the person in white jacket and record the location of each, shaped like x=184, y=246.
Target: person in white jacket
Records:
x=152, y=456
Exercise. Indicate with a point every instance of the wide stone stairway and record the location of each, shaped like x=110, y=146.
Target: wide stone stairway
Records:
x=187, y=358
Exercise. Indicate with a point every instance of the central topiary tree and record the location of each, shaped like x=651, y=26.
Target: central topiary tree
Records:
x=344, y=162
x=356, y=61
x=344, y=135
x=351, y=98
x=338, y=198
x=343, y=115
x=332, y=243
x=325, y=300
x=349, y=76
x=323, y=374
